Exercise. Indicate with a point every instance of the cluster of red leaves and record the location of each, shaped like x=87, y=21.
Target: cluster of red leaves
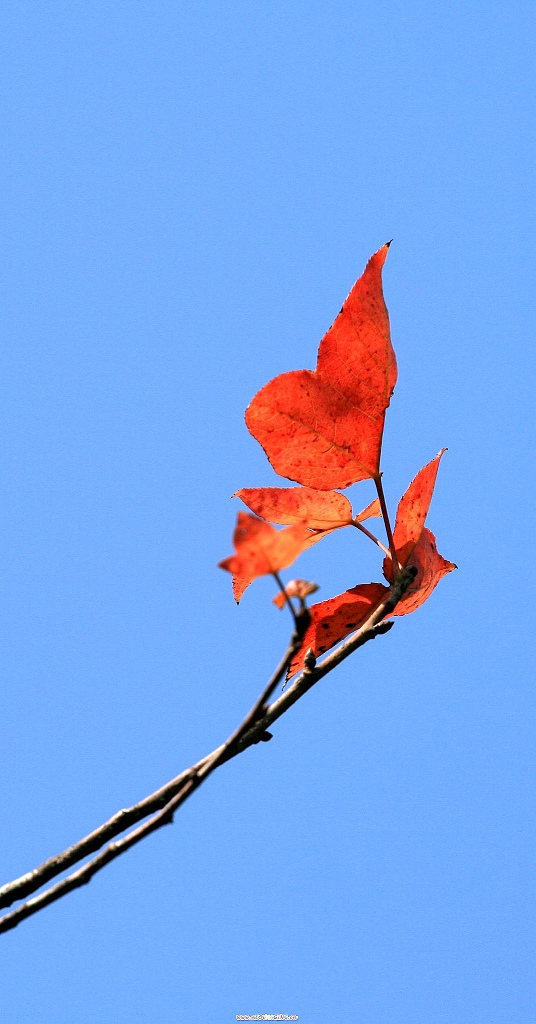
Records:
x=323, y=429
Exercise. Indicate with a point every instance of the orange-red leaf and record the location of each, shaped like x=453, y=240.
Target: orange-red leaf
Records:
x=261, y=549
x=415, y=545
x=431, y=567
x=295, y=588
x=315, y=535
x=334, y=619
x=411, y=513
x=374, y=509
x=320, y=510
x=323, y=428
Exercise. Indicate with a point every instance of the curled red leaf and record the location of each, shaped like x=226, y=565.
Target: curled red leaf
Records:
x=295, y=588
x=431, y=567
x=260, y=549
x=415, y=545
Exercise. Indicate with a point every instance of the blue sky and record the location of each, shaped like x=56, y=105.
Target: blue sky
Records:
x=188, y=193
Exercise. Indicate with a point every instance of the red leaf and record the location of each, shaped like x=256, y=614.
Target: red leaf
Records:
x=323, y=428
x=431, y=566
x=295, y=588
x=374, y=509
x=319, y=510
x=415, y=545
x=261, y=549
x=334, y=619
x=411, y=513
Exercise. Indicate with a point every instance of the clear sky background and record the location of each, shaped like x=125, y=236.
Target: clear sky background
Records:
x=188, y=192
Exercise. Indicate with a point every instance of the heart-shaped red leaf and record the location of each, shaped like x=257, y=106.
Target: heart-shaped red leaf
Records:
x=323, y=428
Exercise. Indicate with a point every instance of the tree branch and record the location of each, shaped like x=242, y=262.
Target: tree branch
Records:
x=166, y=800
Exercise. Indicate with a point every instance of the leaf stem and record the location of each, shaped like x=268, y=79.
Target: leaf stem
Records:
x=397, y=568
x=371, y=536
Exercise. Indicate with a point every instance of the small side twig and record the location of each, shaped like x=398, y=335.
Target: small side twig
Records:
x=371, y=536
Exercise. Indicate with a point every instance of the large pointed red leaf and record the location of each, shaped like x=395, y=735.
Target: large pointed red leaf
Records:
x=323, y=428
x=320, y=510
x=261, y=549
x=336, y=618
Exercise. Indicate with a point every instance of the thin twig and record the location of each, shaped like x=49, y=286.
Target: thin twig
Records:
x=371, y=536
x=170, y=797
x=288, y=602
